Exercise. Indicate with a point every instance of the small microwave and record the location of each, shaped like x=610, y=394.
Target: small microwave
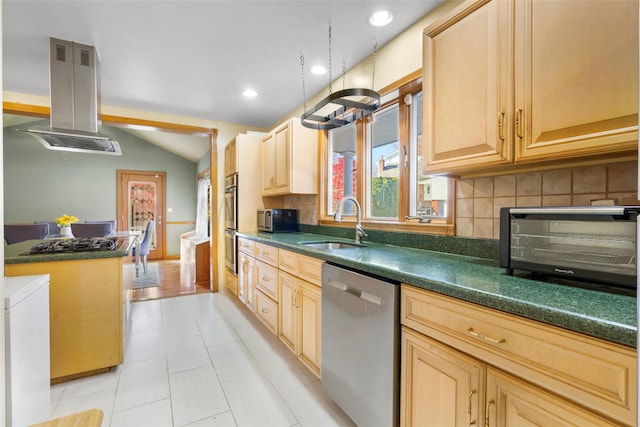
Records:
x=591, y=243
x=278, y=220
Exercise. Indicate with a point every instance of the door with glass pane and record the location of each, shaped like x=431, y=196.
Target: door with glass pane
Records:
x=140, y=200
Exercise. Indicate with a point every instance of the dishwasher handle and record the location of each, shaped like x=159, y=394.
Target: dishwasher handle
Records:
x=364, y=295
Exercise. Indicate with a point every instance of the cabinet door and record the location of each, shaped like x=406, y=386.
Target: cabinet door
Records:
x=513, y=402
x=243, y=271
x=268, y=164
x=466, y=91
x=439, y=386
x=309, y=301
x=288, y=313
x=250, y=283
x=230, y=162
x=282, y=160
x=576, y=78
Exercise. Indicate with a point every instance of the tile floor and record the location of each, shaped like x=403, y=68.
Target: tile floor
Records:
x=201, y=360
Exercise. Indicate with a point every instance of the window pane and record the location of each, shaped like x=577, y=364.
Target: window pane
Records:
x=342, y=164
x=383, y=170
x=429, y=193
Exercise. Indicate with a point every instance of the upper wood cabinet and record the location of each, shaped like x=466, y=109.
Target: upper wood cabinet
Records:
x=230, y=158
x=290, y=160
x=516, y=82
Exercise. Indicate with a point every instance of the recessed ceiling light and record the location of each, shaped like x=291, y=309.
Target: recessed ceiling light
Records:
x=250, y=93
x=318, y=70
x=380, y=18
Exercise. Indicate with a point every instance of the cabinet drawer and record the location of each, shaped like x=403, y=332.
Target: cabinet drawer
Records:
x=247, y=246
x=267, y=279
x=592, y=372
x=267, y=253
x=267, y=311
x=288, y=261
x=310, y=269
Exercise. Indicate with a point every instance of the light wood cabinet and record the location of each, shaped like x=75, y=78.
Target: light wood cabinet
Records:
x=230, y=158
x=242, y=156
x=300, y=309
x=439, y=385
x=595, y=379
x=289, y=160
x=231, y=281
x=545, y=87
x=246, y=282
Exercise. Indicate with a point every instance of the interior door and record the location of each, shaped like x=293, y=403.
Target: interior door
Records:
x=141, y=198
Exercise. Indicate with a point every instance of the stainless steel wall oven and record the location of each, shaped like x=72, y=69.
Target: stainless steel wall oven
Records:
x=231, y=221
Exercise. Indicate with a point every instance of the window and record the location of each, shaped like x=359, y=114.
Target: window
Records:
x=379, y=160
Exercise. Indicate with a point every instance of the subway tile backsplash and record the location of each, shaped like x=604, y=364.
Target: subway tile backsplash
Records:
x=478, y=200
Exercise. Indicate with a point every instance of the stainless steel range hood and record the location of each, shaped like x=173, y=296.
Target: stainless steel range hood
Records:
x=75, y=101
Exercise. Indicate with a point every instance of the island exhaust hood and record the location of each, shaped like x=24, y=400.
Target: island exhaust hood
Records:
x=75, y=101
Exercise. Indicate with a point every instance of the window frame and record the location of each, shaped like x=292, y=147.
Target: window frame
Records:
x=445, y=226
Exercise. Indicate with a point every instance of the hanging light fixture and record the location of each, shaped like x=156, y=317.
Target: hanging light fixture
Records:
x=343, y=107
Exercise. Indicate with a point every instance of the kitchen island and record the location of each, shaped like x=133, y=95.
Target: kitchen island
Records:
x=88, y=303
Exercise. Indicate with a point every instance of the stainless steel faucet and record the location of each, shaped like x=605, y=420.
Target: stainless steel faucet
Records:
x=338, y=217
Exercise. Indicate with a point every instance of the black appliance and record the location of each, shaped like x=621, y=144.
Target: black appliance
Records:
x=278, y=220
x=591, y=243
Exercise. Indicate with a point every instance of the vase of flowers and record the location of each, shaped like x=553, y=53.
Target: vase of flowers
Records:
x=64, y=223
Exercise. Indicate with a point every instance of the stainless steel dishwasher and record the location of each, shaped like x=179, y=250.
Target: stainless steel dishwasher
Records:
x=360, y=345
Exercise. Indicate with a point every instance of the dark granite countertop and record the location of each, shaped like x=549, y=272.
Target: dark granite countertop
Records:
x=18, y=253
x=610, y=316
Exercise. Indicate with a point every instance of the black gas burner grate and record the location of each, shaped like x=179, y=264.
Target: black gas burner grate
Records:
x=76, y=245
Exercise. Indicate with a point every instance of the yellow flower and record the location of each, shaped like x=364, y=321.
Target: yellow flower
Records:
x=66, y=220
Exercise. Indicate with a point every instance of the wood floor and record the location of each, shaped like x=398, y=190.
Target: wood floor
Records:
x=174, y=281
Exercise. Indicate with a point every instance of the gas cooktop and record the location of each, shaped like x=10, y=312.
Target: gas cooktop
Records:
x=76, y=245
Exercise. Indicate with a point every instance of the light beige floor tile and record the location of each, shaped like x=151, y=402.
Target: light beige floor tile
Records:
x=144, y=346
x=187, y=353
x=93, y=384
x=196, y=394
x=311, y=411
x=155, y=414
x=141, y=383
x=222, y=420
x=254, y=340
x=145, y=321
x=232, y=360
x=283, y=371
x=216, y=332
x=254, y=402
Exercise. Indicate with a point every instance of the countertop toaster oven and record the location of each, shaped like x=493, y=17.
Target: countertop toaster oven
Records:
x=594, y=243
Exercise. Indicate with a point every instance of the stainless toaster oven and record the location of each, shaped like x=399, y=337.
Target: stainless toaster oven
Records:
x=594, y=243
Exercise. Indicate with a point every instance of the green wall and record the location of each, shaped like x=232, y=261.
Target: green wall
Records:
x=41, y=184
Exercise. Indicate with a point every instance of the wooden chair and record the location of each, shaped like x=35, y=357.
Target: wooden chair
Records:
x=14, y=233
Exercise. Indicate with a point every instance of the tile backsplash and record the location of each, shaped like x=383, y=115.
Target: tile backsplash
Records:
x=478, y=200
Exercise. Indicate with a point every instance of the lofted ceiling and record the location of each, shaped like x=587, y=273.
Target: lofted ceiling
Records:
x=194, y=58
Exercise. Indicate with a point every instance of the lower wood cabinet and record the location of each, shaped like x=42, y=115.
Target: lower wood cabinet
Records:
x=231, y=281
x=246, y=283
x=463, y=364
x=300, y=320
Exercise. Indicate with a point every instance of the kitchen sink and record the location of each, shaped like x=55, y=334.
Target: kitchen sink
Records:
x=327, y=245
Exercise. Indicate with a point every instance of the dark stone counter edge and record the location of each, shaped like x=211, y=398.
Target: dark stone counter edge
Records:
x=123, y=250
x=613, y=332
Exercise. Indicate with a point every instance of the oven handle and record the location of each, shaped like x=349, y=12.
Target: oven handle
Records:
x=359, y=293
x=588, y=210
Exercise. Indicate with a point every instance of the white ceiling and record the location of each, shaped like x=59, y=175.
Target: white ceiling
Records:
x=194, y=58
